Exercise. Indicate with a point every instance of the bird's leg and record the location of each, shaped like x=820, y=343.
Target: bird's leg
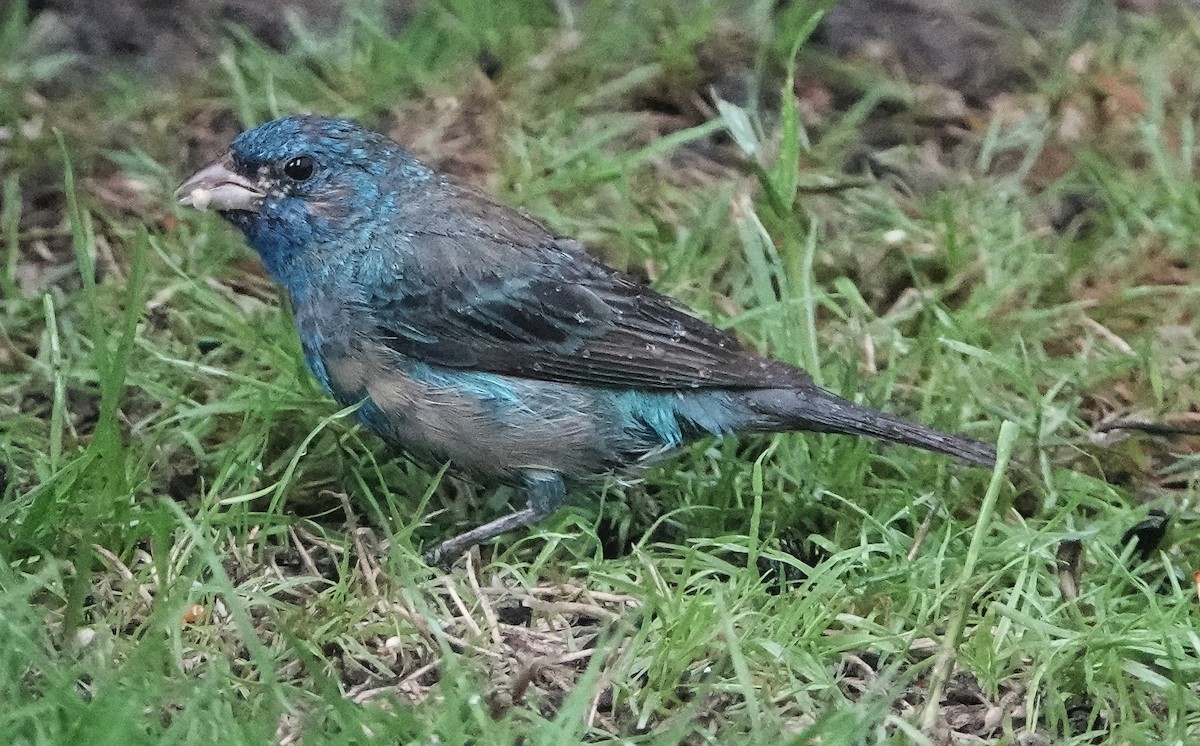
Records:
x=449, y=550
x=546, y=493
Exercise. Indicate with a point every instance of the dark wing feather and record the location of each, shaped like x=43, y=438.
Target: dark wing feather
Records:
x=550, y=312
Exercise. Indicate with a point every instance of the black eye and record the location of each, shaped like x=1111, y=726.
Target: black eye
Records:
x=299, y=168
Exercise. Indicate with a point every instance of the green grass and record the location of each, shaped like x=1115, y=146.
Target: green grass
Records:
x=198, y=547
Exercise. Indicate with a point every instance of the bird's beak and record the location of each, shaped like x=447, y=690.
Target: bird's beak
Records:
x=220, y=186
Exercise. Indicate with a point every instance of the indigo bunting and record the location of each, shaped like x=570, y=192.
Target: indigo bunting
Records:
x=472, y=334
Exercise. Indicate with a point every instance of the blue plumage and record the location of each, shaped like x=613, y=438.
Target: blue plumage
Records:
x=473, y=334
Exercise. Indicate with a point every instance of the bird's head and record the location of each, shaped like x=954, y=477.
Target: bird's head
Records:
x=302, y=186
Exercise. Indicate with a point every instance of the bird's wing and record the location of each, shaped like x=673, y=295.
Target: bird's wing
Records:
x=553, y=313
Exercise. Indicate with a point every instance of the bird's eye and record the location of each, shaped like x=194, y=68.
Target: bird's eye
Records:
x=299, y=168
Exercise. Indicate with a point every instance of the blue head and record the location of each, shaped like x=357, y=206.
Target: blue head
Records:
x=304, y=190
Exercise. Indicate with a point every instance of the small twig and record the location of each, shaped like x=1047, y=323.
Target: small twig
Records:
x=418, y=673
x=1067, y=560
x=869, y=674
x=406, y=686
x=613, y=598
x=485, y=606
x=125, y=573
x=869, y=354
x=457, y=644
x=559, y=589
x=1154, y=428
x=571, y=608
x=369, y=570
x=328, y=546
x=922, y=532
x=603, y=682
x=304, y=555
x=578, y=655
x=832, y=187
x=462, y=607
x=538, y=665
x=1109, y=335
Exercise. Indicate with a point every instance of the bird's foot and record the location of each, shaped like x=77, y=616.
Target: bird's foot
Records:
x=444, y=554
x=546, y=493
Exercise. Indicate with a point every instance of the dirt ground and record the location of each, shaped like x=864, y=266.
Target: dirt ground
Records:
x=972, y=46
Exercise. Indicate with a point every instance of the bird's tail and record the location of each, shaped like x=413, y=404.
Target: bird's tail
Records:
x=815, y=409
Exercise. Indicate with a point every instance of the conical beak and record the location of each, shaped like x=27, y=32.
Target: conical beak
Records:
x=218, y=185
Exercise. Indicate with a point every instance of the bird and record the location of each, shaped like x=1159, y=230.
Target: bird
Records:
x=471, y=334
